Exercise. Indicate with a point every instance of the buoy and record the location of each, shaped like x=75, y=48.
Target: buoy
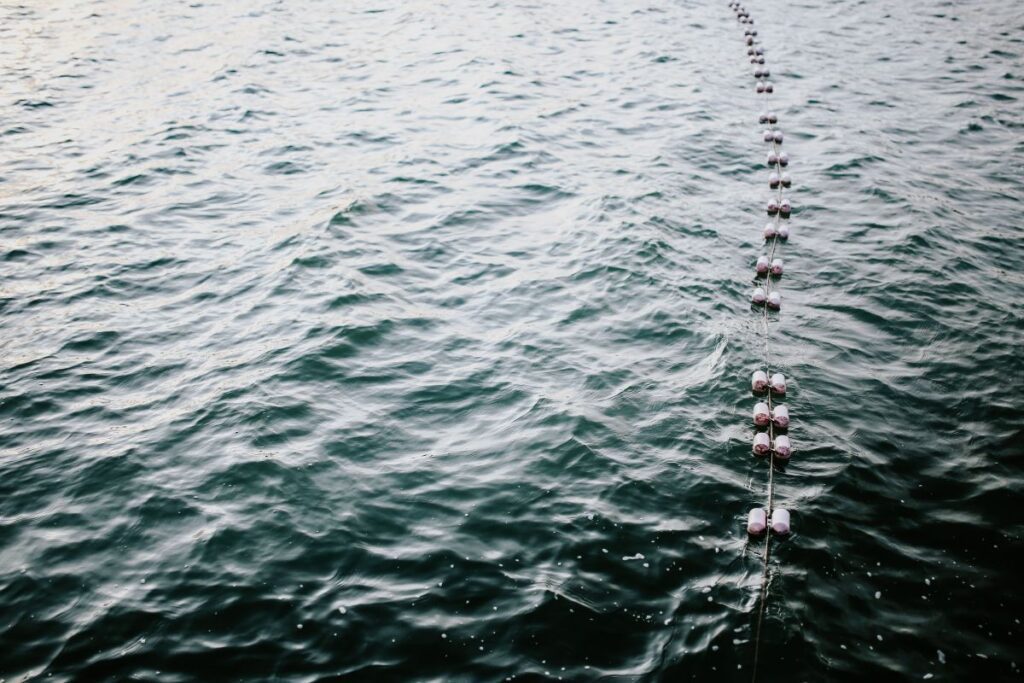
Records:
x=757, y=522
x=768, y=87
x=759, y=50
x=750, y=41
x=780, y=416
x=776, y=267
x=785, y=208
x=767, y=135
x=786, y=180
x=778, y=137
x=780, y=521
x=783, y=159
x=769, y=230
x=759, y=381
x=778, y=383
x=773, y=180
x=760, y=86
x=762, y=415
x=783, y=448
x=783, y=232
x=757, y=296
x=765, y=72
x=763, y=117
x=772, y=207
x=773, y=158
x=772, y=118
x=762, y=266
x=761, y=444
x=774, y=300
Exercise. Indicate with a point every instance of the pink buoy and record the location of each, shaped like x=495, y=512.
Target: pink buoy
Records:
x=762, y=265
x=783, y=159
x=776, y=267
x=783, y=232
x=778, y=137
x=785, y=208
x=780, y=521
x=774, y=300
x=772, y=208
x=783, y=448
x=786, y=180
x=778, y=383
x=769, y=231
x=759, y=381
x=780, y=416
x=762, y=446
x=767, y=135
x=773, y=158
x=757, y=522
x=762, y=416
x=758, y=296
x=773, y=180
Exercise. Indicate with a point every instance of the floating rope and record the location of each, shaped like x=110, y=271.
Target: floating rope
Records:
x=776, y=445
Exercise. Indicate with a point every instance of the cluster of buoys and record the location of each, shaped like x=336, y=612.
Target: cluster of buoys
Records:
x=771, y=417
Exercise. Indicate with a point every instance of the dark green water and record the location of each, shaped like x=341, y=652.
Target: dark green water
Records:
x=410, y=341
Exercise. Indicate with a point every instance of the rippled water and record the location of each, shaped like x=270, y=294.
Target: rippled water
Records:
x=410, y=341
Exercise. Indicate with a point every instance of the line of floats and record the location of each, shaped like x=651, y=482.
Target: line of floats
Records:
x=771, y=419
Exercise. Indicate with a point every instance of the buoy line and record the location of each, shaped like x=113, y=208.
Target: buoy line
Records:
x=771, y=419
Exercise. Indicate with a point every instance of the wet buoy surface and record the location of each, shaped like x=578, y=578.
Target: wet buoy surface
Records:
x=780, y=521
x=757, y=522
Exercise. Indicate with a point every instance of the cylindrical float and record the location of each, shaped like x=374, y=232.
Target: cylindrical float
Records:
x=762, y=265
x=778, y=137
x=783, y=448
x=778, y=383
x=762, y=416
x=769, y=230
x=773, y=180
x=783, y=159
x=772, y=208
x=772, y=118
x=780, y=416
x=757, y=522
x=767, y=135
x=759, y=381
x=772, y=159
x=785, y=208
x=776, y=267
x=762, y=446
x=774, y=300
x=786, y=180
x=758, y=296
x=783, y=232
x=780, y=521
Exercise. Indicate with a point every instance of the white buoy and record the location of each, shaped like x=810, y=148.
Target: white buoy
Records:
x=762, y=416
x=780, y=416
x=759, y=381
x=773, y=158
x=763, y=118
x=767, y=135
x=762, y=446
x=783, y=448
x=786, y=180
x=778, y=136
x=778, y=383
x=757, y=522
x=785, y=208
x=772, y=118
x=783, y=231
x=783, y=159
x=760, y=86
x=780, y=521
x=773, y=180
x=776, y=266
x=757, y=296
x=769, y=230
x=762, y=265
x=774, y=300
